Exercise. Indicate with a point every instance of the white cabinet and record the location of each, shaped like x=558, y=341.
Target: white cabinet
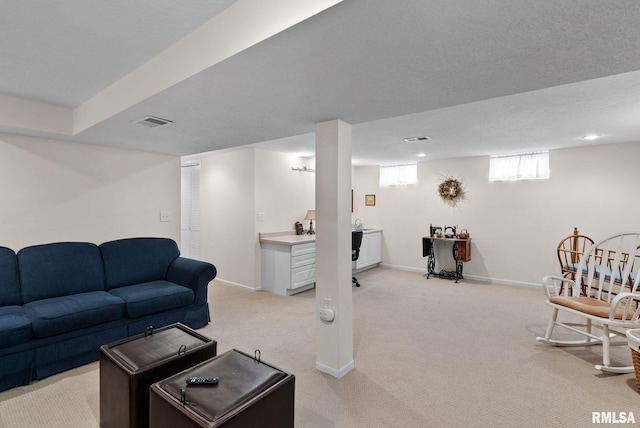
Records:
x=370, y=250
x=303, y=266
x=288, y=269
x=289, y=261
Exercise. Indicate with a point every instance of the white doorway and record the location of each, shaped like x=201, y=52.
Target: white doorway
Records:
x=190, y=233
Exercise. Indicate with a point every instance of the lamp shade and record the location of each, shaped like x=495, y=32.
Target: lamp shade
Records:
x=311, y=215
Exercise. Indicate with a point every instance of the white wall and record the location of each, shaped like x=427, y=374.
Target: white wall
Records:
x=515, y=226
x=227, y=205
x=235, y=186
x=283, y=195
x=61, y=191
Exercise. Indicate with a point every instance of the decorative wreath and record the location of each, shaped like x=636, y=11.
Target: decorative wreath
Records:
x=450, y=189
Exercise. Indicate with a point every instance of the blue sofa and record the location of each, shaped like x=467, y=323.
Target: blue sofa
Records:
x=60, y=302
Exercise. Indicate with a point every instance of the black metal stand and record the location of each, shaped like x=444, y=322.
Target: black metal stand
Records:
x=427, y=251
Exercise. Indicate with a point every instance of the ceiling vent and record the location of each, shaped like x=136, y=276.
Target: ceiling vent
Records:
x=152, y=122
x=416, y=139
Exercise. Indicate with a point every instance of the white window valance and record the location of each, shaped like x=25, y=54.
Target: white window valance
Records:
x=398, y=175
x=523, y=166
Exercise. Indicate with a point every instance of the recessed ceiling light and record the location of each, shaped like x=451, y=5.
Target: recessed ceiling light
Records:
x=421, y=155
x=590, y=137
x=416, y=139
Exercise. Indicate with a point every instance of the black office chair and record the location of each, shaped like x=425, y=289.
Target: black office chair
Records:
x=356, y=241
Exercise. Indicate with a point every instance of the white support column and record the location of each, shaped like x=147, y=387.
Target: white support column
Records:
x=333, y=246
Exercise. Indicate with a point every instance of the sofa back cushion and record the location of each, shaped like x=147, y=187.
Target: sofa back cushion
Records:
x=136, y=260
x=59, y=269
x=9, y=284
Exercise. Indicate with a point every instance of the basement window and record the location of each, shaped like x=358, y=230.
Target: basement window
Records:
x=523, y=166
x=398, y=175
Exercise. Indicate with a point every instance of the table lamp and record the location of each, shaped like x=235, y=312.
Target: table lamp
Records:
x=311, y=215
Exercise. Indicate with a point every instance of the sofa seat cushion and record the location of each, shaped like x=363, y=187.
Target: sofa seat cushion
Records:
x=151, y=297
x=67, y=313
x=589, y=305
x=15, y=327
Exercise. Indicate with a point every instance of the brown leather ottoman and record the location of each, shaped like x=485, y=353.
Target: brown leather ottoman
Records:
x=249, y=393
x=129, y=366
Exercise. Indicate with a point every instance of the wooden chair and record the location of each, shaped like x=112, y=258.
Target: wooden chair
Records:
x=570, y=249
x=605, y=295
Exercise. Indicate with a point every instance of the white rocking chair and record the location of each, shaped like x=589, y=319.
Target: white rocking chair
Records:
x=605, y=293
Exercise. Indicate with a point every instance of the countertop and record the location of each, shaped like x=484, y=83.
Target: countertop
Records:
x=286, y=238
x=290, y=238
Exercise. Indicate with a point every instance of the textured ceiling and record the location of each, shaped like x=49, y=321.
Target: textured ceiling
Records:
x=478, y=76
x=63, y=52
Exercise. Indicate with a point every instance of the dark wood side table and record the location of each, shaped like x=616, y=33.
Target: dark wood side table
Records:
x=128, y=367
x=461, y=252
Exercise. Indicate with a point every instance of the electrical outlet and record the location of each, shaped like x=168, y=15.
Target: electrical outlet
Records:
x=165, y=215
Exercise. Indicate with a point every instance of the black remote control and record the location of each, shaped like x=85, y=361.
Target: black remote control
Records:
x=202, y=381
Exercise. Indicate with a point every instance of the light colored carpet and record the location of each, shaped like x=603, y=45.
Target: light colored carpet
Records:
x=428, y=353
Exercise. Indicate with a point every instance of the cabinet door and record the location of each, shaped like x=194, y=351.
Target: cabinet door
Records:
x=302, y=276
x=363, y=258
x=375, y=248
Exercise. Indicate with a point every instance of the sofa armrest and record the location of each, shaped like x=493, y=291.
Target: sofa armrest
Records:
x=194, y=274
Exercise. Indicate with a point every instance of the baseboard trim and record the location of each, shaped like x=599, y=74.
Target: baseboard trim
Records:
x=399, y=267
x=235, y=284
x=474, y=277
x=503, y=281
x=411, y=269
x=338, y=373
